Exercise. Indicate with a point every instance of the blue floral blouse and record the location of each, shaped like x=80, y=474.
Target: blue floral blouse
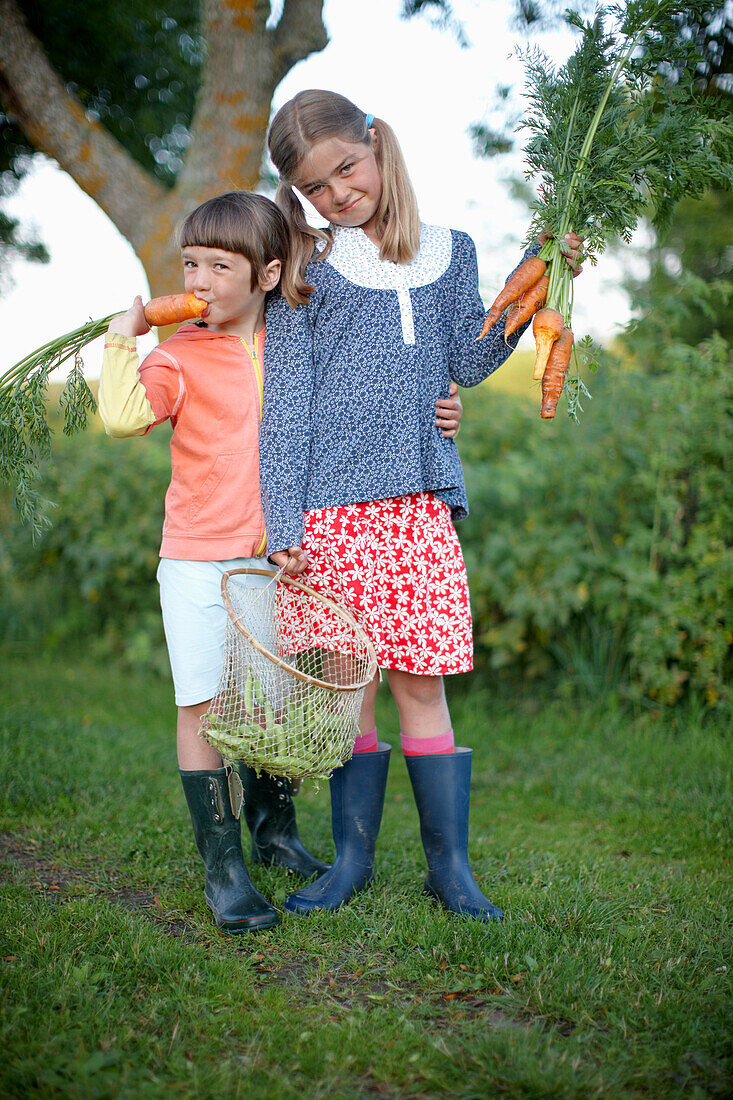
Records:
x=351, y=378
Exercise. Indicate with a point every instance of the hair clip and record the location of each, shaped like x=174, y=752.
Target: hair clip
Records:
x=369, y=121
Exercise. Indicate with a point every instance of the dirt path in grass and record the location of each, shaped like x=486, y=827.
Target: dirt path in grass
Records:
x=58, y=883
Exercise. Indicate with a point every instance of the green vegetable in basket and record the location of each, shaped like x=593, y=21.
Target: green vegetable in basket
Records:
x=249, y=693
x=326, y=720
x=272, y=726
x=259, y=693
x=227, y=743
x=215, y=721
x=294, y=715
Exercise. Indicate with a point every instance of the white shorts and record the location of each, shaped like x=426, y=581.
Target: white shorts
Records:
x=194, y=619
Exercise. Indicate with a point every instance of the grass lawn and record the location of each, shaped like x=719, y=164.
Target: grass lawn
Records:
x=605, y=837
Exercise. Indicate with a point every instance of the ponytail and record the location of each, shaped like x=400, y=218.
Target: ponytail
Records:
x=314, y=116
x=397, y=213
x=303, y=240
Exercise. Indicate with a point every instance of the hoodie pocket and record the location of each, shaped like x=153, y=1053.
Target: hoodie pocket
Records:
x=227, y=502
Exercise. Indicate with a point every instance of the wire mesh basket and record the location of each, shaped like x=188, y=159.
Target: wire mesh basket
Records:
x=296, y=665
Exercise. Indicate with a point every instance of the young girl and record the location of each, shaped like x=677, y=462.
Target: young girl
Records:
x=357, y=485
x=207, y=380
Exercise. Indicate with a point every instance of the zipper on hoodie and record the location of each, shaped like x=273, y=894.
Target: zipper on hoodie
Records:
x=254, y=354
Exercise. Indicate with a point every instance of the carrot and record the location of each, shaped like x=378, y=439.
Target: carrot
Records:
x=516, y=285
x=171, y=309
x=527, y=306
x=553, y=379
x=546, y=327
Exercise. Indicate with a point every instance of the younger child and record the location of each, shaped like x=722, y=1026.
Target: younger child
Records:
x=357, y=483
x=207, y=380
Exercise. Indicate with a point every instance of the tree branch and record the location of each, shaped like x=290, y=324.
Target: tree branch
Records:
x=300, y=32
x=56, y=124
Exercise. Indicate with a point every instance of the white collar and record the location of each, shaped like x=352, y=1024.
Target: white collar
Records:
x=357, y=258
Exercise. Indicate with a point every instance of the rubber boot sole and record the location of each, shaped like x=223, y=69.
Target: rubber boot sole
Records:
x=488, y=916
x=243, y=924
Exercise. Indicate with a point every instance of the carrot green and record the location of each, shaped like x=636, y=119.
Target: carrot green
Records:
x=621, y=131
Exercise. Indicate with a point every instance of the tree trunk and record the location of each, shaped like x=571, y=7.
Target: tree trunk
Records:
x=245, y=62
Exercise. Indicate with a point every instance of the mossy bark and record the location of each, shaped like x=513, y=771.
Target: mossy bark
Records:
x=245, y=61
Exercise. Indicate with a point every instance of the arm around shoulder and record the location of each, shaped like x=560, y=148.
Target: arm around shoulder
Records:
x=285, y=431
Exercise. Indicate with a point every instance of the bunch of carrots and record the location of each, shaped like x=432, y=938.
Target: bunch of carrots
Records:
x=618, y=130
x=523, y=296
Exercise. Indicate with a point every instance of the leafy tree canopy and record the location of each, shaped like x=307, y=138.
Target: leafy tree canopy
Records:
x=117, y=94
x=135, y=67
x=709, y=25
x=688, y=293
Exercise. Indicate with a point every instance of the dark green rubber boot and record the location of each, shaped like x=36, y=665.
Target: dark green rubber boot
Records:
x=270, y=815
x=236, y=904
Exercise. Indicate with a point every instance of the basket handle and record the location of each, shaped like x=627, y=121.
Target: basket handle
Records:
x=341, y=611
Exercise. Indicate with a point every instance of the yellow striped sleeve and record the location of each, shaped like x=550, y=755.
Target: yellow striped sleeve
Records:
x=123, y=403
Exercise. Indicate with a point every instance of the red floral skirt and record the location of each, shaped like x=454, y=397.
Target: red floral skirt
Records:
x=397, y=565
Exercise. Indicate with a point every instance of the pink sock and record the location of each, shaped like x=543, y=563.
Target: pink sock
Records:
x=428, y=746
x=366, y=742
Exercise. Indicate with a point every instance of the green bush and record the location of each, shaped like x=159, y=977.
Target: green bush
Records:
x=92, y=574
x=605, y=548
x=600, y=551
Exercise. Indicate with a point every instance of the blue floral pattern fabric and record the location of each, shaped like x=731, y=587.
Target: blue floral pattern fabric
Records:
x=351, y=378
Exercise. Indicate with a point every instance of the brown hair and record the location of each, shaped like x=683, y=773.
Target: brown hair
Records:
x=313, y=116
x=254, y=227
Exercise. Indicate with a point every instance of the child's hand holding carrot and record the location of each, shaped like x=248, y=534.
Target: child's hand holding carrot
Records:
x=132, y=323
x=171, y=309
x=571, y=247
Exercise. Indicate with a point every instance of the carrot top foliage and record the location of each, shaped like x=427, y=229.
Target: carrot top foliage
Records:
x=624, y=125
x=25, y=437
x=625, y=128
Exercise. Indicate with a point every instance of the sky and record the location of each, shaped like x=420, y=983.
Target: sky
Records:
x=416, y=77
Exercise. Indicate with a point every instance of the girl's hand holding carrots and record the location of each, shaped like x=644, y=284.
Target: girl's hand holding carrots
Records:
x=133, y=322
x=571, y=247
x=525, y=295
x=525, y=291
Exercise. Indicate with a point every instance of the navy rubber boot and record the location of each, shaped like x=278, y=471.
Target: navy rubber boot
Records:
x=441, y=784
x=357, y=801
x=236, y=904
x=270, y=815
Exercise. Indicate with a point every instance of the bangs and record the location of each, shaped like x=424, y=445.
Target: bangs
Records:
x=223, y=222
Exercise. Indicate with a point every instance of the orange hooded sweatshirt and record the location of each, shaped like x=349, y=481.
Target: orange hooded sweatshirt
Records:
x=209, y=385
